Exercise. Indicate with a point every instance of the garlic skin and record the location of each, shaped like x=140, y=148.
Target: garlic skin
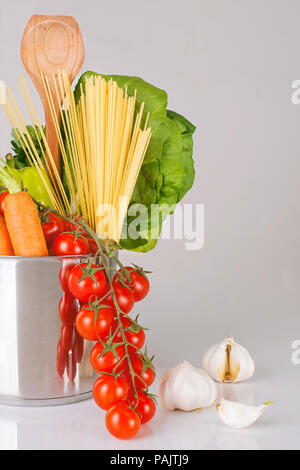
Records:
x=228, y=362
x=186, y=388
x=238, y=416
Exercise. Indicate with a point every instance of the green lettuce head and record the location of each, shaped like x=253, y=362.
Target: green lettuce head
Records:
x=167, y=173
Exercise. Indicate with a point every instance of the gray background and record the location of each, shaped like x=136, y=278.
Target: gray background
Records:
x=228, y=66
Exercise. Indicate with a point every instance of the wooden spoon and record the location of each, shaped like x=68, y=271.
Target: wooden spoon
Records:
x=50, y=44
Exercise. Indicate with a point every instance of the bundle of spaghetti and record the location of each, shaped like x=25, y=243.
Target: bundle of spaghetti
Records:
x=103, y=148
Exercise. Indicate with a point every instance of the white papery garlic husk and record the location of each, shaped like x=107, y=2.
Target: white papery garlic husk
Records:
x=186, y=388
x=237, y=415
x=228, y=362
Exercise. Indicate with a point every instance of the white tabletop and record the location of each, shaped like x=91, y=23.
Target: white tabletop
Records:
x=81, y=426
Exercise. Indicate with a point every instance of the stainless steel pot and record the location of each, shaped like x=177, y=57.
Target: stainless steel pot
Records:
x=30, y=329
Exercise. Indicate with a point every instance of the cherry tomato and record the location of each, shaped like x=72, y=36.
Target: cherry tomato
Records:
x=67, y=266
x=92, y=246
x=108, y=361
x=67, y=337
x=135, y=338
x=107, y=390
x=52, y=226
x=147, y=377
x=83, y=286
x=69, y=227
x=121, y=421
x=124, y=296
x=62, y=359
x=139, y=283
x=2, y=199
x=67, y=309
x=85, y=324
x=66, y=244
x=146, y=406
x=78, y=348
x=91, y=330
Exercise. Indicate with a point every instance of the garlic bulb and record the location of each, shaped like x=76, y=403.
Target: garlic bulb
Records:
x=228, y=362
x=184, y=387
x=238, y=416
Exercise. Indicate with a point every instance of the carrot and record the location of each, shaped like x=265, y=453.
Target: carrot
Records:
x=6, y=248
x=24, y=226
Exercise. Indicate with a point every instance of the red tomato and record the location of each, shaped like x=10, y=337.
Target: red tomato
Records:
x=92, y=246
x=52, y=226
x=91, y=330
x=148, y=376
x=67, y=266
x=66, y=244
x=108, y=361
x=67, y=309
x=67, y=337
x=139, y=283
x=62, y=359
x=69, y=227
x=85, y=324
x=121, y=421
x=83, y=286
x=124, y=296
x=2, y=198
x=107, y=390
x=135, y=338
x=146, y=406
x=78, y=348
x=104, y=322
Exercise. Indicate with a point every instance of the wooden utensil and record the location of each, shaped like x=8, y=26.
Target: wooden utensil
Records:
x=50, y=44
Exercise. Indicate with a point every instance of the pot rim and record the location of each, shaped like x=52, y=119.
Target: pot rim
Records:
x=44, y=258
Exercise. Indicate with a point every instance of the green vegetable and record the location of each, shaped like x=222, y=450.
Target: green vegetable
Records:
x=29, y=178
x=168, y=169
x=186, y=130
x=20, y=158
x=20, y=162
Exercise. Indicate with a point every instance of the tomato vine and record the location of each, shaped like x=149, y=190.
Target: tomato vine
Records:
x=108, y=253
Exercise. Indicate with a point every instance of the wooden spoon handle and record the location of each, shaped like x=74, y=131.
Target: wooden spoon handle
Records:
x=50, y=44
x=51, y=135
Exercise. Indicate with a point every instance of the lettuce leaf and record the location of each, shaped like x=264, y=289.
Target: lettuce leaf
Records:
x=176, y=176
x=168, y=169
x=187, y=130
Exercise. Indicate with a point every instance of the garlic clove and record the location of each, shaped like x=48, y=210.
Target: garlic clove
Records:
x=186, y=388
x=228, y=362
x=237, y=415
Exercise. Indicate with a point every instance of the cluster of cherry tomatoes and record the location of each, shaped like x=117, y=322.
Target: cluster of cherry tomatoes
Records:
x=64, y=238
x=125, y=372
